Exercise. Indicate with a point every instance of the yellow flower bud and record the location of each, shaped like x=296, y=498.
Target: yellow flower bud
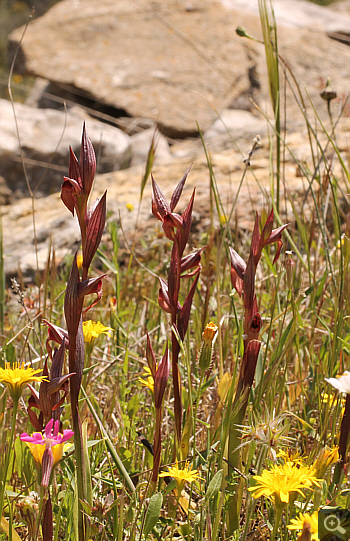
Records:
x=208, y=336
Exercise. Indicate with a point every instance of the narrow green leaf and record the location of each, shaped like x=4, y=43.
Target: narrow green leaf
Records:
x=149, y=165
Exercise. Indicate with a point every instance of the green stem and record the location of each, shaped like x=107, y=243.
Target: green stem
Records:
x=118, y=462
x=176, y=508
x=195, y=413
x=8, y=455
x=278, y=516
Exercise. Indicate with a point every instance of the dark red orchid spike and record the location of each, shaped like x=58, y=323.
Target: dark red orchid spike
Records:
x=80, y=353
x=90, y=287
x=183, y=234
x=238, y=268
x=243, y=280
x=73, y=303
x=56, y=334
x=87, y=162
x=76, y=188
x=178, y=191
x=276, y=236
x=161, y=379
x=151, y=358
x=177, y=229
x=47, y=523
x=70, y=189
x=163, y=299
x=75, y=195
x=184, y=315
x=49, y=400
x=74, y=171
x=191, y=260
x=249, y=361
x=96, y=220
x=173, y=277
x=160, y=206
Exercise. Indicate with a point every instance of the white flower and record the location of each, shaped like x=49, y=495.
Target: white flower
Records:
x=342, y=383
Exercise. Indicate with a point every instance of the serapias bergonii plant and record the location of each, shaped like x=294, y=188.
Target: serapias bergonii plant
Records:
x=176, y=229
x=243, y=281
x=75, y=193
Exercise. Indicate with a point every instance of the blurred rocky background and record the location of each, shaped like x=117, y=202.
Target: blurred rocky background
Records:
x=135, y=70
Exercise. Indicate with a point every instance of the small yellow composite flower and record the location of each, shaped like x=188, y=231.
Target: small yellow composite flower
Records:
x=181, y=476
x=281, y=481
x=149, y=382
x=299, y=523
x=92, y=330
x=16, y=376
x=130, y=207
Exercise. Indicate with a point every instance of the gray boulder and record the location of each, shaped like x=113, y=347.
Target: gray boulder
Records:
x=45, y=136
x=177, y=62
x=237, y=125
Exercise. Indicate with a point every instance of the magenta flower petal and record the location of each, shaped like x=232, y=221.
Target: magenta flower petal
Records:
x=48, y=428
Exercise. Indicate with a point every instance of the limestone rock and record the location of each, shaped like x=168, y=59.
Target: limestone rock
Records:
x=302, y=14
x=152, y=59
x=45, y=136
x=236, y=125
x=172, y=62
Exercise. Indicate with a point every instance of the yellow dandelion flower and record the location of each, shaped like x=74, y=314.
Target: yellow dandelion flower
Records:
x=149, y=382
x=16, y=376
x=299, y=523
x=181, y=476
x=281, y=481
x=92, y=330
x=130, y=207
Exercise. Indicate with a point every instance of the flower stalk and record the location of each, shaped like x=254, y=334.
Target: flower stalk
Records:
x=177, y=230
x=243, y=281
x=75, y=194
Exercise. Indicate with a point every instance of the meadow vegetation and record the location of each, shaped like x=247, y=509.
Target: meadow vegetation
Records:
x=186, y=386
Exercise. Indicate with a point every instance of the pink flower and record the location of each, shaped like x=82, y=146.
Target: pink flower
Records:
x=47, y=448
